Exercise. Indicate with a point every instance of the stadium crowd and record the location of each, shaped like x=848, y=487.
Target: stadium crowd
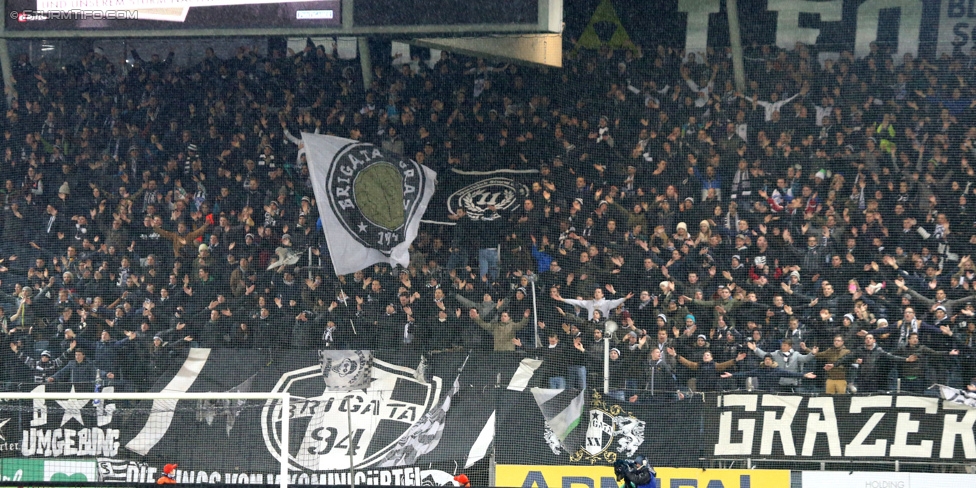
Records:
x=818, y=223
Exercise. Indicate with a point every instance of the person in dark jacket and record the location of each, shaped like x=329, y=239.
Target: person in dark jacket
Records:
x=769, y=374
x=557, y=356
x=46, y=366
x=872, y=364
x=78, y=371
x=707, y=371
x=912, y=374
x=491, y=233
x=635, y=473
x=660, y=379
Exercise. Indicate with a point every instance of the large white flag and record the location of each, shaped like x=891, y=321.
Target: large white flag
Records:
x=371, y=201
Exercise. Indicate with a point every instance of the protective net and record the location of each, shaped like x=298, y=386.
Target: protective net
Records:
x=634, y=253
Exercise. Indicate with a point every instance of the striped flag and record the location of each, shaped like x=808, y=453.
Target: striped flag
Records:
x=424, y=436
x=563, y=410
x=955, y=395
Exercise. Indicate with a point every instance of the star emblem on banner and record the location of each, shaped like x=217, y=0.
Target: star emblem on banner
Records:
x=72, y=409
x=362, y=227
x=2, y=424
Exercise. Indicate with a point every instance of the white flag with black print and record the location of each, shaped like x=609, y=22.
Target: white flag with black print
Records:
x=371, y=201
x=955, y=395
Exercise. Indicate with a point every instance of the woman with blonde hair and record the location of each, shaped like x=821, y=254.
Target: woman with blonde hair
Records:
x=704, y=233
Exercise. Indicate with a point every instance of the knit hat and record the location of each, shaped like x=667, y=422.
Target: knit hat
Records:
x=850, y=317
x=690, y=317
x=615, y=349
x=940, y=307
x=65, y=189
x=203, y=247
x=46, y=353
x=702, y=337
x=882, y=320
x=522, y=290
x=794, y=273
x=682, y=225
x=663, y=317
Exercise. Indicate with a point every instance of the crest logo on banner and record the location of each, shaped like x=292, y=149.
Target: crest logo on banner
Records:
x=336, y=426
x=503, y=193
x=611, y=432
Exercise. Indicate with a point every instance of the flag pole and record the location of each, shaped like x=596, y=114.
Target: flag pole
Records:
x=535, y=312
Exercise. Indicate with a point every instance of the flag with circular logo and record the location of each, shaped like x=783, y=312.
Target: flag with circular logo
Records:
x=371, y=201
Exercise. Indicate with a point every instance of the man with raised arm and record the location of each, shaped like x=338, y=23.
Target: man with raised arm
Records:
x=597, y=303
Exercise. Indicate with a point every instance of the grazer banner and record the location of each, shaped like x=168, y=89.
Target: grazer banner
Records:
x=860, y=428
x=413, y=425
x=922, y=27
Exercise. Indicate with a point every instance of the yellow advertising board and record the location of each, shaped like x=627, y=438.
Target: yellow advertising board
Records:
x=519, y=476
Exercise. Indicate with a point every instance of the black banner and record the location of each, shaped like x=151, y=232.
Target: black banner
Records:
x=422, y=420
x=613, y=430
x=415, y=423
x=474, y=191
x=690, y=432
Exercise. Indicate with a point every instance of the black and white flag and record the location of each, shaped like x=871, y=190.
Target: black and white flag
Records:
x=371, y=201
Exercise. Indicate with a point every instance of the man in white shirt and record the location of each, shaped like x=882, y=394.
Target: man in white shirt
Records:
x=597, y=303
